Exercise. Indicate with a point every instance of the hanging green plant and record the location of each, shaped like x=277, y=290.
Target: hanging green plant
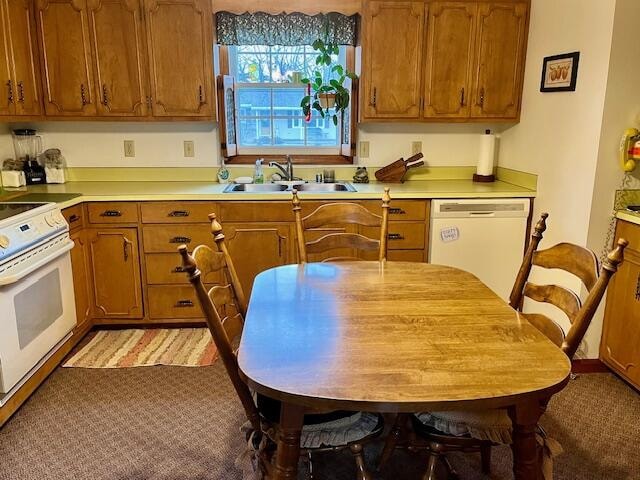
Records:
x=322, y=95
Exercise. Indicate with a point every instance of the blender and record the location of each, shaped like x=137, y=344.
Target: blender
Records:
x=27, y=146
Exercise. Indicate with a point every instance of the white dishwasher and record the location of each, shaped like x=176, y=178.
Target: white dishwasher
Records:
x=483, y=236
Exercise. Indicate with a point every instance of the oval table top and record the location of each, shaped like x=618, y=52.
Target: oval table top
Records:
x=392, y=337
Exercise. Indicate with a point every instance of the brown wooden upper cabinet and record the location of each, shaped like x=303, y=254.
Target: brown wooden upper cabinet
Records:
x=501, y=46
x=469, y=53
x=19, y=70
x=65, y=54
x=117, y=41
x=393, y=34
x=180, y=38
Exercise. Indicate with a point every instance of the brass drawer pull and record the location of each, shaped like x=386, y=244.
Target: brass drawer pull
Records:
x=179, y=213
x=111, y=213
x=21, y=91
x=83, y=95
x=397, y=211
x=105, y=95
x=395, y=236
x=184, y=304
x=74, y=218
x=638, y=288
x=180, y=240
x=10, y=91
x=177, y=269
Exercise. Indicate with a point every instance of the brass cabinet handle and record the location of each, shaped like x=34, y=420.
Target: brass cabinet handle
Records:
x=179, y=213
x=178, y=269
x=10, y=91
x=149, y=101
x=201, y=95
x=638, y=288
x=481, y=99
x=373, y=97
x=83, y=94
x=125, y=244
x=184, y=303
x=180, y=240
x=105, y=96
x=397, y=211
x=73, y=218
x=111, y=213
x=462, y=97
x=395, y=236
x=21, y=91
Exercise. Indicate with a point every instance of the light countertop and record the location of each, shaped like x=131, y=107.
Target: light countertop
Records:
x=149, y=191
x=628, y=216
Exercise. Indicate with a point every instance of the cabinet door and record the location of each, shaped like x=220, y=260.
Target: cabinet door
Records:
x=66, y=57
x=179, y=37
x=449, y=59
x=500, y=51
x=256, y=247
x=7, y=96
x=115, y=265
x=392, y=59
x=81, y=276
x=118, y=50
x=620, y=346
x=22, y=34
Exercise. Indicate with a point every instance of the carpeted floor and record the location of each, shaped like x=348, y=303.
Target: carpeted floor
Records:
x=178, y=423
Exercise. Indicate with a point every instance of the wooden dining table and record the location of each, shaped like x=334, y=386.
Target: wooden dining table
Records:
x=394, y=337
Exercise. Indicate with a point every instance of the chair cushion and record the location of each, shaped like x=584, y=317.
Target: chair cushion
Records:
x=491, y=425
x=269, y=408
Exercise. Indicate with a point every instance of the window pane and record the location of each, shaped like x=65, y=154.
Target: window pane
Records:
x=288, y=131
x=253, y=67
x=286, y=101
x=283, y=65
x=321, y=131
x=254, y=131
x=254, y=102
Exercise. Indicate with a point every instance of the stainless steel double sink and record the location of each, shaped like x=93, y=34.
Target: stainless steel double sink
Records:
x=274, y=187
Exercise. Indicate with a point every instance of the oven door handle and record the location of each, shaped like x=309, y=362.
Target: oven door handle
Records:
x=14, y=277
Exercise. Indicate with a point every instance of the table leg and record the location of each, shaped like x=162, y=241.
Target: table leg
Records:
x=524, y=417
x=288, y=452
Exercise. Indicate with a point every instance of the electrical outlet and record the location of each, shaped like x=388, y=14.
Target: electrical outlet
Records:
x=129, y=148
x=364, y=150
x=416, y=147
x=188, y=148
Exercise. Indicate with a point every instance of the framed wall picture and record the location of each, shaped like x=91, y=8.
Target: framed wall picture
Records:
x=560, y=72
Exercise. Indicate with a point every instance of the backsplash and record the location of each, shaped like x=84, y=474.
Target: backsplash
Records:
x=100, y=144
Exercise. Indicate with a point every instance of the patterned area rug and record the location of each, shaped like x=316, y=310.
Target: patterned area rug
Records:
x=187, y=347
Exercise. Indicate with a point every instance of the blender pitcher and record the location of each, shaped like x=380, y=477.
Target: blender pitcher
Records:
x=27, y=144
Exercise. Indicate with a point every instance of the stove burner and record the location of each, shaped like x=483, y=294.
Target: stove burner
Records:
x=8, y=210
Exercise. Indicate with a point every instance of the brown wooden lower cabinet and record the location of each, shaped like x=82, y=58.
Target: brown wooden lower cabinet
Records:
x=81, y=274
x=620, y=345
x=127, y=269
x=115, y=263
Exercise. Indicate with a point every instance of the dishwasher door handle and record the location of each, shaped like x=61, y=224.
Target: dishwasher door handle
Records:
x=482, y=214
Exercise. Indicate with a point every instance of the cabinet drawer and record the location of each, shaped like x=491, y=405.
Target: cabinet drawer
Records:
x=161, y=238
x=170, y=301
x=74, y=217
x=401, y=236
x=166, y=268
x=400, y=209
x=113, y=212
x=177, y=212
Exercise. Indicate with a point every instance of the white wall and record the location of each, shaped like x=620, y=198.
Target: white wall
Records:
x=558, y=136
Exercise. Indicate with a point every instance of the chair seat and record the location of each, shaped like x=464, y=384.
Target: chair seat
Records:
x=325, y=430
x=491, y=425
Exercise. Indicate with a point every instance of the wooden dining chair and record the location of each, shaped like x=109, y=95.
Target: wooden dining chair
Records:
x=479, y=430
x=341, y=213
x=224, y=307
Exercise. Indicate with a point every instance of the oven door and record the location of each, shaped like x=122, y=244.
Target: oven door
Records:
x=38, y=310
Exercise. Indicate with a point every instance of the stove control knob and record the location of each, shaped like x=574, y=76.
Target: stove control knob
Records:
x=50, y=219
x=4, y=242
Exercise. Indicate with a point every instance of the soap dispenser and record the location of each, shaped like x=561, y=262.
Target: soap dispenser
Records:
x=258, y=176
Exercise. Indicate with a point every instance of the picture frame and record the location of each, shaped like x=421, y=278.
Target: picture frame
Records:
x=560, y=72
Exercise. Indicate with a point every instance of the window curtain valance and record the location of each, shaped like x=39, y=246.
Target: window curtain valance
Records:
x=285, y=28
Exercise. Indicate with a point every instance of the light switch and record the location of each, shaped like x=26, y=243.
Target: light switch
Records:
x=129, y=148
x=364, y=150
x=188, y=148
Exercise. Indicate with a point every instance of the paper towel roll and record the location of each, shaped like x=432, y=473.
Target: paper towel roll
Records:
x=487, y=154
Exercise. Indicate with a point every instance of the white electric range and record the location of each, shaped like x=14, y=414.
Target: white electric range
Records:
x=36, y=289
